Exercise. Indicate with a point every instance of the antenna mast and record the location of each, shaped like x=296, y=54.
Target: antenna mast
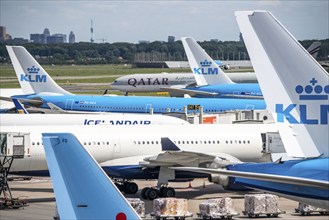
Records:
x=91, y=32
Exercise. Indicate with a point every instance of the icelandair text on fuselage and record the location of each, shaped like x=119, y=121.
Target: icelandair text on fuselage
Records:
x=116, y=122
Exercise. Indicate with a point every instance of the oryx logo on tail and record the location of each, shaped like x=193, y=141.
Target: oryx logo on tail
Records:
x=205, y=69
x=309, y=93
x=33, y=75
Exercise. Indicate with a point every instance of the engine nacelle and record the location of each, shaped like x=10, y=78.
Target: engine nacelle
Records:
x=227, y=182
x=219, y=179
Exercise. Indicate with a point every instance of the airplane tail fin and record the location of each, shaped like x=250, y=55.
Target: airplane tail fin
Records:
x=31, y=76
x=82, y=189
x=19, y=107
x=314, y=48
x=300, y=99
x=204, y=68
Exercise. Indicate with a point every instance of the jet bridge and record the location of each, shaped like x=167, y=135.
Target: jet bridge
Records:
x=13, y=145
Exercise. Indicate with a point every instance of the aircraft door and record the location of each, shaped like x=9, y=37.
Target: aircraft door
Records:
x=116, y=146
x=148, y=108
x=69, y=104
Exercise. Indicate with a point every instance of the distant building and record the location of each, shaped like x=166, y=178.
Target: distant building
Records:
x=46, y=34
x=56, y=38
x=144, y=41
x=214, y=40
x=3, y=33
x=38, y=38
x=171, y=39
x=72, y=38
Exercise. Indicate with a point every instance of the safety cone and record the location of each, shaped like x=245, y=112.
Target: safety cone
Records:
x=189, y=185
x=204, y=184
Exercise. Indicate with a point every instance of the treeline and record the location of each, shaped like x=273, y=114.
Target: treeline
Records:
x=116, y=53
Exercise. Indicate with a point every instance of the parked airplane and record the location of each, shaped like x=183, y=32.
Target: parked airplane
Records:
x=82, y=189
x=209, y=77
x=300, y=102
x=41, y=89
x=146, y=152
x=158, y=81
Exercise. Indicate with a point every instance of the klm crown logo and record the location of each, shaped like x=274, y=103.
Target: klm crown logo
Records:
x=205, y=63
x=205, y=68
x=312, y=91
x=309, y=92
x=33, y=70
x=33, y=75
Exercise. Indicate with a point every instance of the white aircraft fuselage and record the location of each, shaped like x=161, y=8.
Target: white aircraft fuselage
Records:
x=127, y=142
x=154, y=82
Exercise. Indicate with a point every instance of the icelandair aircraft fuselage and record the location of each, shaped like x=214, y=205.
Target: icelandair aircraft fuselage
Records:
x=144, y=104
x=126, y=146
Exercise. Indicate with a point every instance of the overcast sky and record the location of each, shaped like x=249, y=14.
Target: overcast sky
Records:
x=131, y=21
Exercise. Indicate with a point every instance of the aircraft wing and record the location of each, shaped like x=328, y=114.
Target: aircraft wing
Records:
x=183, y=91
x=82, y=189
x=173, y=156
x=30, y=101
x=260, y=176
x=188, y=158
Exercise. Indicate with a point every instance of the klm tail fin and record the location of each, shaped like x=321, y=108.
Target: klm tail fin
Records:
x=314, y=48
x=82, y=189
x=31, y=76
x=294, y=84
x=19, y=107
x=204, y=68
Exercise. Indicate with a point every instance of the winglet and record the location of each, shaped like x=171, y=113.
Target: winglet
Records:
x=30, y=74
x=204, y=68
x=168, y=145
x=300, y=98
x=82, y=189
x=19, y=107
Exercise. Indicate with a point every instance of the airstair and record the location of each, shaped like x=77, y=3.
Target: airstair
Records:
x=13, y=146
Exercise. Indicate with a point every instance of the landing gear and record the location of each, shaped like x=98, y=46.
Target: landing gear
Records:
x=127, y=187
x=167, y=192
x=130, y=188
x=153, y=193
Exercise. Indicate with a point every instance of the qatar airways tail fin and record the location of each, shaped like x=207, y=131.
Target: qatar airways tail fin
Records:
x=204, y=68
x=301, y=86
x=31, y=76
x=82, y=189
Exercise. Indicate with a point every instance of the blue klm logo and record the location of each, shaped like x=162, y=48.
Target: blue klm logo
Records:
x=205, y=69
x=311, y=92
x=33, y=75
